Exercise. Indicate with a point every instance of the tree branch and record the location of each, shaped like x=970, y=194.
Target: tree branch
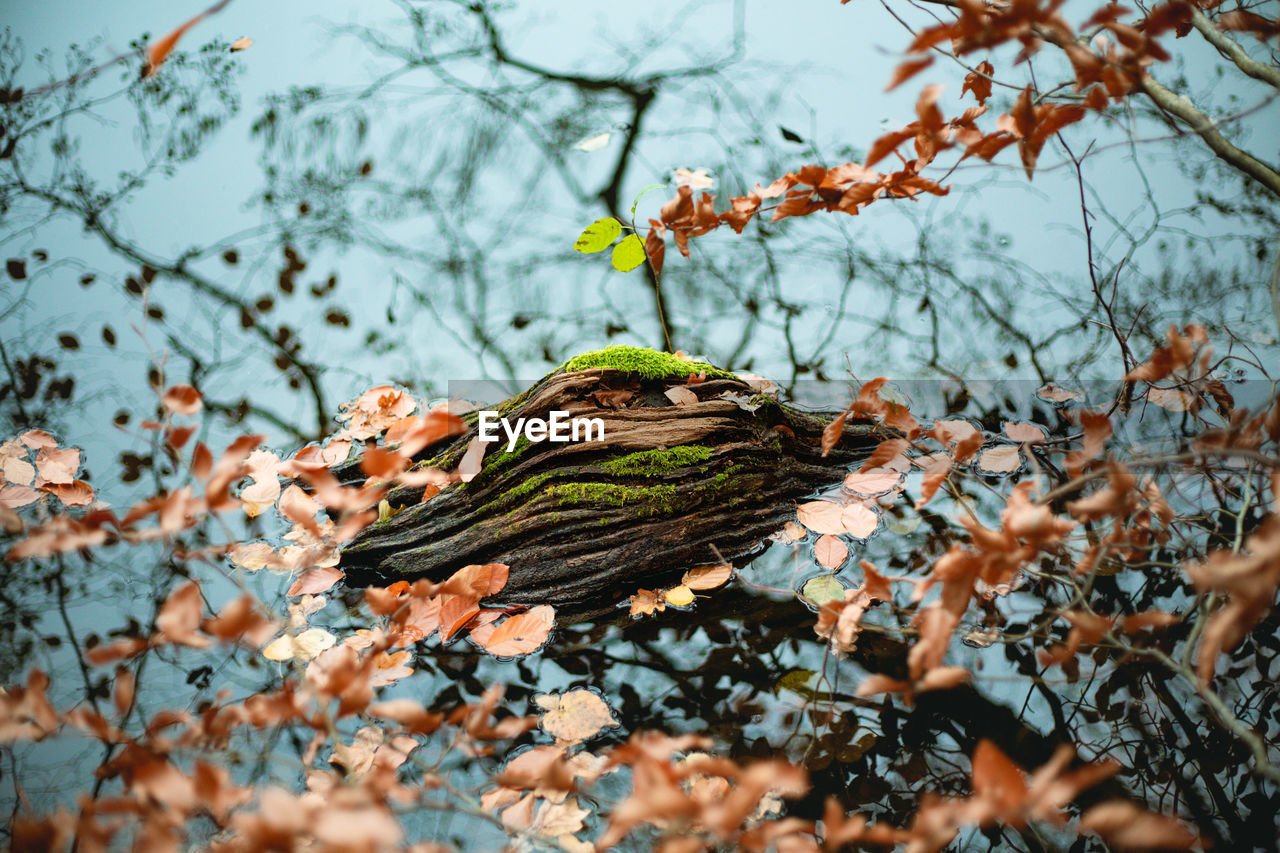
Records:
x=1180, y=107
x=1232, y=51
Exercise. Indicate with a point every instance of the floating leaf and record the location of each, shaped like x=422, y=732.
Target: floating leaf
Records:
x=1173, y=399
x=316, y=580
x=1024, y=432
x=598, y=235
x=679, y=596
x=830, y=551
x=821, y=516
x=873, y=481
x=644, y=602
x=1000, y=460
x=574, y=716
x=1055, y=394
x=708, y=577
x=304, y=646
x=522, y=633
x=628, y=254
x=824, y=589
x=858, y=520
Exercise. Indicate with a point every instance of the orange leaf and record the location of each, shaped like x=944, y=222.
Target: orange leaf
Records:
x=160, y=51
x=522, y=633
x=907, y=70
x=655, y=247
x=832, y=432
x=316, y=580
x=830, y=551
x=455, y=612
x=708, y=577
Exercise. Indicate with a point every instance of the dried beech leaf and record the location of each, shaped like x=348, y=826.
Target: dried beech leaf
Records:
x=830, y=551
x=522, y=633
x=574, y=716
x=708, y=577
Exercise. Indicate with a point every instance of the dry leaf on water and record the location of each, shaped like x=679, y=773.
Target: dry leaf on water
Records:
x=707, y=577
x=679, y=596
x=1003, y=459
x=830, y=551
x=522, y=633
x=574, y=716
x=304, y=646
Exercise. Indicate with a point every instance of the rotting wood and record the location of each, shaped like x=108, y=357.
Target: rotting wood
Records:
x=583, y=525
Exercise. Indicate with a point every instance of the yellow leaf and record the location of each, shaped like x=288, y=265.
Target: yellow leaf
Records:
x=598, y=235
x=628, y=254
x=679, y=596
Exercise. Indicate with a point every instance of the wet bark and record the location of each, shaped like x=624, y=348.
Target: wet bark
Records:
x=584, y=525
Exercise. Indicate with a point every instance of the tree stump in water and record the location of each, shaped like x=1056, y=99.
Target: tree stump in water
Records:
x=583, y=525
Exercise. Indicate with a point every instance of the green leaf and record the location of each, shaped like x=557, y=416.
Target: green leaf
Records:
x=823, y=589
x=599, y=235
x=628, y=254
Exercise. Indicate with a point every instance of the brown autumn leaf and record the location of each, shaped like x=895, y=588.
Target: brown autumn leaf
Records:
x=16, y=497
x=821, y=516
x=1024, y=432
x=655, y=246
x=978, y=81
x=374, y=411
x=1059, y=395
x=680, y=395
x=182, y=400
x=830, y=551
x=477, y=581
x=907, y=70
x=179, y=617
x=316, y=581
x=38, y=439
x=57, y=466
x=1172, y=399
x=574, y=716
x=522, y=633
x=708, y=577
x=75, y=493
x=885, y=452
x=645, y=602
x=934, y=475
x=832, y=432
x=1002, y=459
x=873, y=481
x=455, y=612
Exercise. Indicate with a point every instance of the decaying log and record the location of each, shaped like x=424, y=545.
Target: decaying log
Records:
x=583, y=525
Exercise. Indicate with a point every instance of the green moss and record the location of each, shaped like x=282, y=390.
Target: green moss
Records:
x=497, y=461
x=655, y=463
x=648, y=363
x=513, y=497
x=650, y=500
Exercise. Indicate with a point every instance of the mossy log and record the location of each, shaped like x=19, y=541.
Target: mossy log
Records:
x=585, y=524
